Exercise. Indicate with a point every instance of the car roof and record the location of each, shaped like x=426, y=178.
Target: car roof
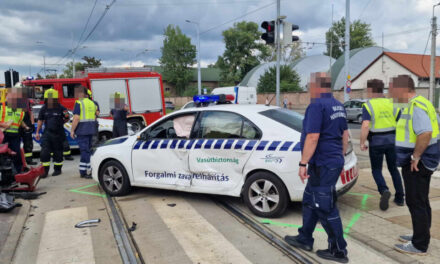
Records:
x=237, y=108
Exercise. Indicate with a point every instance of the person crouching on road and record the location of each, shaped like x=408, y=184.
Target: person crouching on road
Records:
x=12, y=119
x=324, y=141
x=83, y=128
x=379, y=127
x=417, y=150
x=54, y=115
x=119, y=114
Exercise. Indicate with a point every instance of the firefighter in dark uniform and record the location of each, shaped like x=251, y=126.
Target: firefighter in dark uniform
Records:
x=119, y=114
x=324, y=140
x=26, y=135
x=54, y=115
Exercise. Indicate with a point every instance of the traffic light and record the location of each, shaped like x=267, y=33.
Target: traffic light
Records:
x=15, y=78
x=288, y=28
x=269, y=35
x=8, y=80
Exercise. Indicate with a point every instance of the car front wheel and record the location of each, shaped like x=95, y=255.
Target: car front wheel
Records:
x=265, y=195
x=114, y=179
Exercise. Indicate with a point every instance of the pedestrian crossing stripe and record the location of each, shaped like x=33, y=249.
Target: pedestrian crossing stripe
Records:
x=235, y=144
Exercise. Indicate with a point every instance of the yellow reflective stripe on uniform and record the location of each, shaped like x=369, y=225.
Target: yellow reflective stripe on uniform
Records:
x=46, y=164
x=27, y=155
x=58, y=163
x=65, y=153
x=15, y=116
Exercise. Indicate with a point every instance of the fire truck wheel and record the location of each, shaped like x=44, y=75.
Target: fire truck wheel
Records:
x=136, y=125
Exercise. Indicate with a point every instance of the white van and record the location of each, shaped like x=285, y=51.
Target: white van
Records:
x=242, y=94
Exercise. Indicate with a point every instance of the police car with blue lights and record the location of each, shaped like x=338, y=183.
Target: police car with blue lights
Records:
x=251, y=151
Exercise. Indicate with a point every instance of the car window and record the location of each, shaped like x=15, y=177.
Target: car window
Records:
x=69, y=90
x=218, y=124
x=173, y=127
x=286, y=117
x=358, y=104
x=347, y=104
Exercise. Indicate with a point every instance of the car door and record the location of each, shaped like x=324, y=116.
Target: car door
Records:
x=160, y=155
x=348, y=108
x=224, y=141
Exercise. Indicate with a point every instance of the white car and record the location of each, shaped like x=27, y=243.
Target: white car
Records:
x=248, y=150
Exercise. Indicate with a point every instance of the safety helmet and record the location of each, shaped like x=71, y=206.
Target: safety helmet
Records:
x=51, y=93
x=118, y=95
x=89, y=92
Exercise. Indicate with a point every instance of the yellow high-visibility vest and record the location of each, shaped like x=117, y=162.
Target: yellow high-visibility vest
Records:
x=383, y=115
x=405, y=136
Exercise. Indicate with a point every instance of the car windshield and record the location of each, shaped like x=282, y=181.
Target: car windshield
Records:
x=286, y=117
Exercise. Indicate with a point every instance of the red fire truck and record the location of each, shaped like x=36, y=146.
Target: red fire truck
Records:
x=141, y=87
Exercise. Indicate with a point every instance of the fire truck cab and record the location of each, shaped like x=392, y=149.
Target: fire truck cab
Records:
x=142, y=88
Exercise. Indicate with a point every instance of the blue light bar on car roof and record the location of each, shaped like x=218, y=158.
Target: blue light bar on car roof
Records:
x=219, y=98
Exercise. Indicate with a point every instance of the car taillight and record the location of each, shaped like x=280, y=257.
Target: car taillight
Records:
x=348, y=175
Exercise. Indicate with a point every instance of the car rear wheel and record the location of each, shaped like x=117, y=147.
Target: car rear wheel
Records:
x=265, y=195
x=114, y=179
x=359, y=119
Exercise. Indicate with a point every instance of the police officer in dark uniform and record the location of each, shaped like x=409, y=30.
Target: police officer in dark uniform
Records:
x=119, y=114
x=54, y=115
x=26, y=135
x=324, y=140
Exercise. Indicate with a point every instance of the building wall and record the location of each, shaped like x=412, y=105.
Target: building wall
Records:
x=390, y=69
x=298, y=100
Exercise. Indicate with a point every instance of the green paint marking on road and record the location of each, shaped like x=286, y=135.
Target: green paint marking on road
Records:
x=360, y=194
x=353, y=220
x=270, y=222
x=78, y=190
x=364, y=201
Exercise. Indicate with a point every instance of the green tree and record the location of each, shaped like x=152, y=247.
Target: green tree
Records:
x=243, y=52
x=68, y=71
x=288, y=53
x=178, y=54
x=289, y=80
x=91, y=62
x=360, y=37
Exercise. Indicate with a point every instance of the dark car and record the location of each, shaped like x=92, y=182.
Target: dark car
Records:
x=169, y=105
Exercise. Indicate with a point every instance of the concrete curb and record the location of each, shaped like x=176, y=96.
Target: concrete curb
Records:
x=383, y=248
x=8, y=251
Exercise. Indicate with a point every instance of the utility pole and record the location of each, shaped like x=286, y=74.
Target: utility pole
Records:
x=277, y=28
x=44, y=65
x=199, y=74
x=347, y=47
x=432, y=68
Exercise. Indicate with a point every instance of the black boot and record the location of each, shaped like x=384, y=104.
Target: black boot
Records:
x=334, y=256
x=46, y=172
x=57, y=170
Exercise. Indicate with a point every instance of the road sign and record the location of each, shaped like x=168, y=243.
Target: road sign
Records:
x=348, y=83
x=348, y=77
x=348, y=89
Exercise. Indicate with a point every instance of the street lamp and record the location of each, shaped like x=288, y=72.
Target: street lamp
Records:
x=73, y=59
x=41, y=43
x=199, y=78
x=433, y=47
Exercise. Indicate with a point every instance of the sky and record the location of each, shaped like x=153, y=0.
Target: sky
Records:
x=45, y=30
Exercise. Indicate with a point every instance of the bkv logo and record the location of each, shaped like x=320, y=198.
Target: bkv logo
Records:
x=270, y=158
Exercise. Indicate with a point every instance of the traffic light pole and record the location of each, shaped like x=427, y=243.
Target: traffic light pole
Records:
x=347, y=48
x=278, y=45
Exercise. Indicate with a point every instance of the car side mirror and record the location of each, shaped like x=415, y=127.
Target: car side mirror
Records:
x=143, y=136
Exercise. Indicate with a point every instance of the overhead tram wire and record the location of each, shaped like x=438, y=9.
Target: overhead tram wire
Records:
x=69, y=52
x=87, y=23
x=234, y=19
x=421, y=60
